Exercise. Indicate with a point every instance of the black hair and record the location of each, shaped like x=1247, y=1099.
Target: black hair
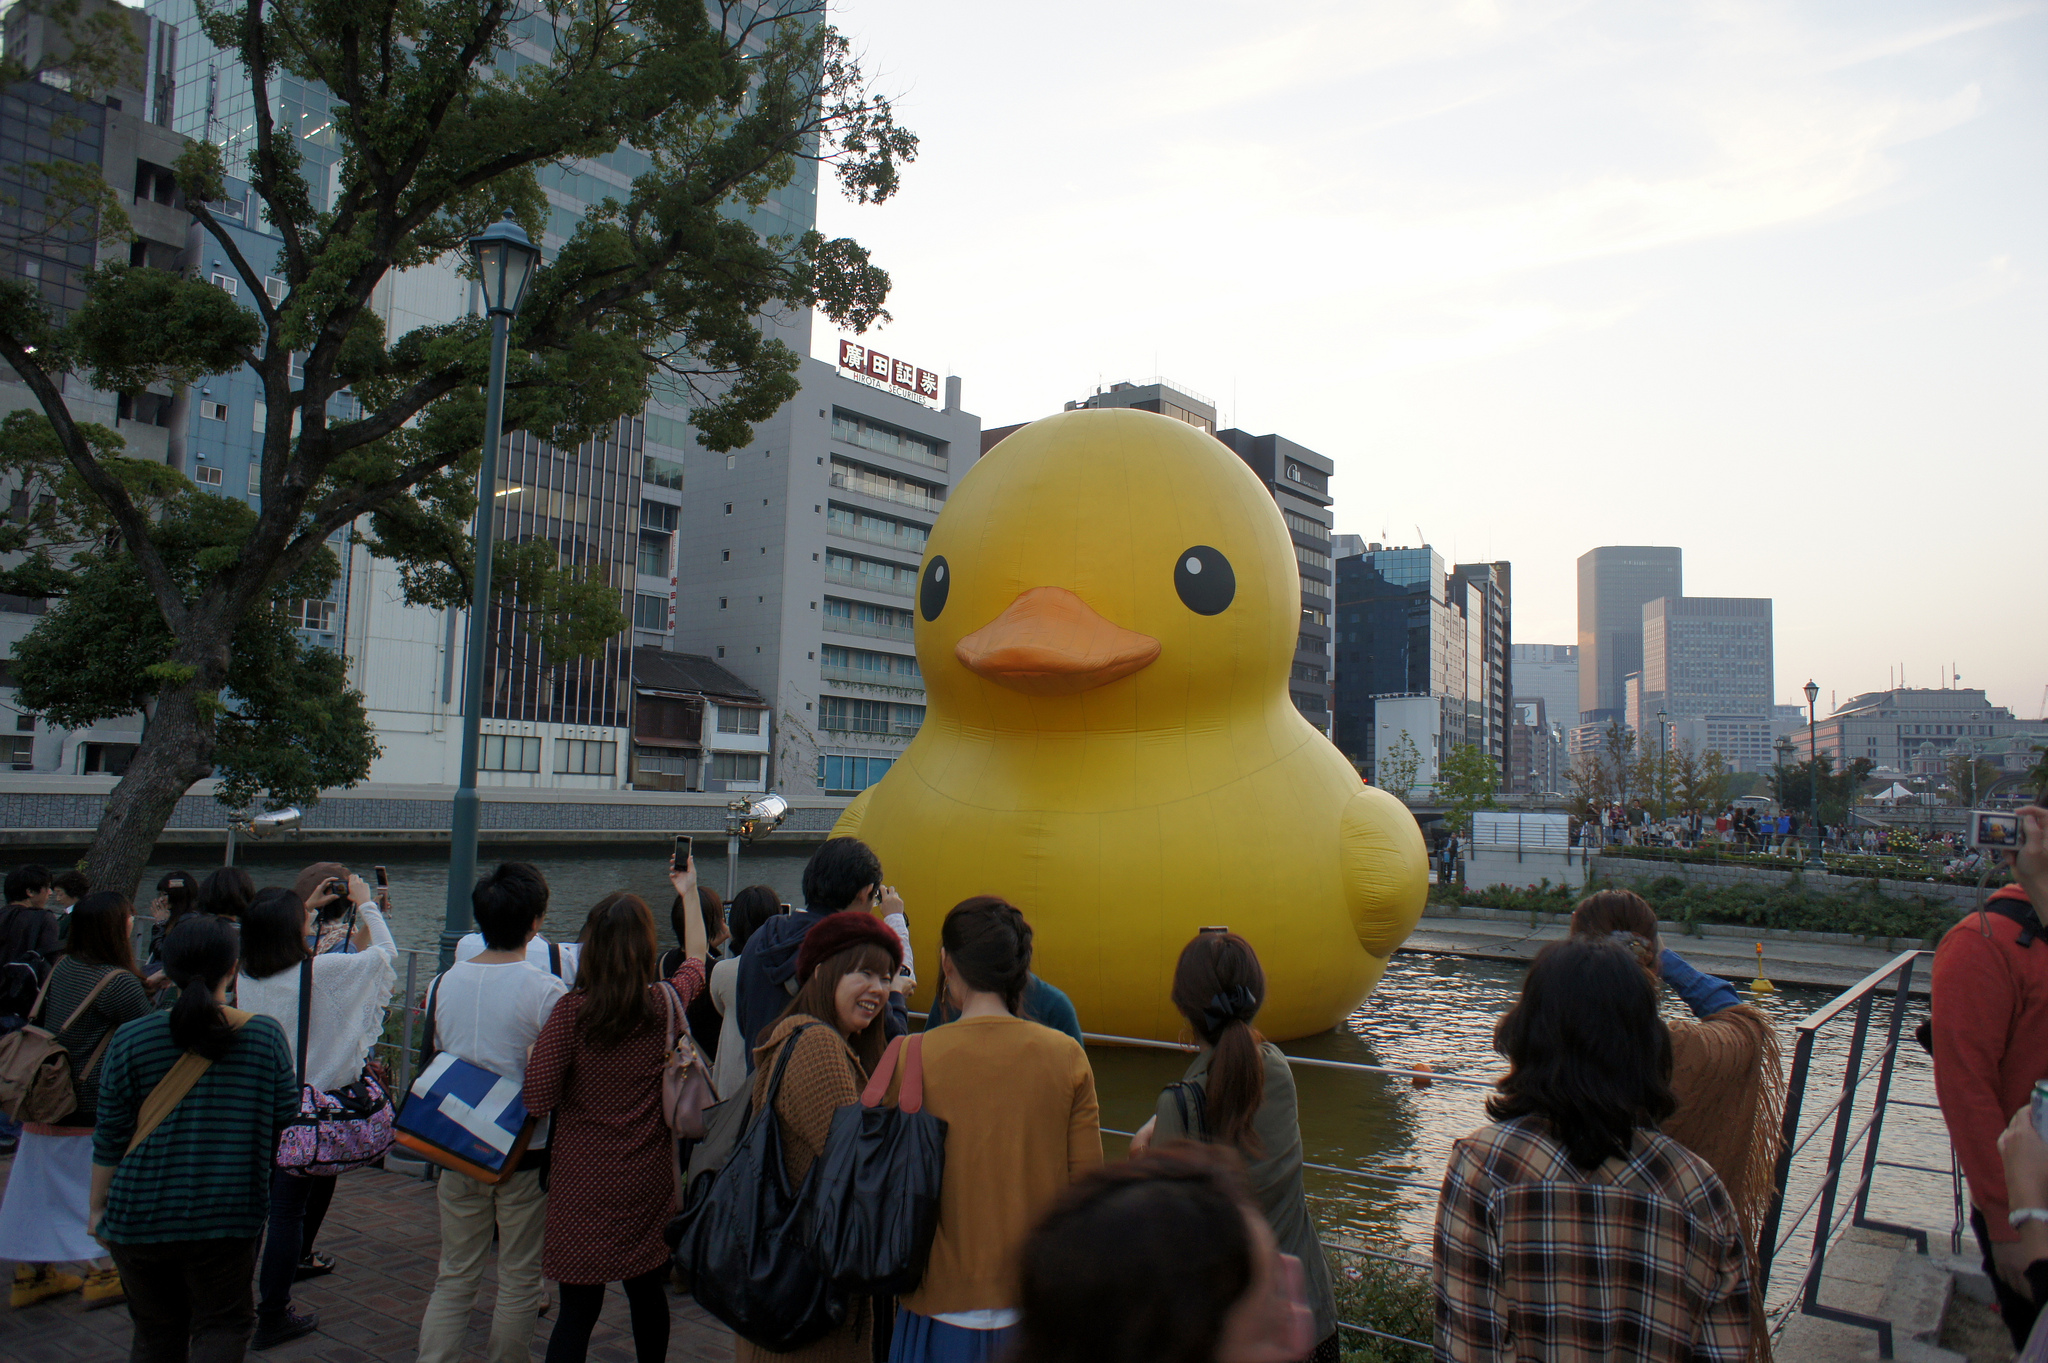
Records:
x=226, y=892
x=1587, y=1052
x=180, y=890
x=1138, y=1262
x=989, y=943
x=273, y=933
x=507, y=903
x=838, y=871
x=199, y=952
x=1219, y=987
x=748, y=910
x=24, y=881
x=709, y=906
x=73, y=883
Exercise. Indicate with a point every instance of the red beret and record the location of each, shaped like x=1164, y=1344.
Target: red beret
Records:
x=842, y=930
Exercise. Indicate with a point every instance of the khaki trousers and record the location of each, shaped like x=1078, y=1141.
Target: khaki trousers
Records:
x=517, y=1211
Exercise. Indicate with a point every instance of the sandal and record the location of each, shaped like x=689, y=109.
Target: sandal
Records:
x=314, y=1265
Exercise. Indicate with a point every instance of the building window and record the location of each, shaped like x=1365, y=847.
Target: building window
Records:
x=850, y=775
x=585, y=757
x=883, y=439
x=653, y=556
x=227, y=284
x=1312, y=616
x=503, y=752
x=649, y=611
x=206, y=475
x=1310, y=558
x=865, y=662
x=26, y=723
x=661, y=472
x=662, y=761
x=255, y=477
x=734, y=720
x=659, y=517
x=307, y=613
x=1303, y=525
x=735, y=766
x=212, y=411
x=21, y=752
x=274, y=287
x=107, y=759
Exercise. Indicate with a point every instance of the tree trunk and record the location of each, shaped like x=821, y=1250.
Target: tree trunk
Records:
x=177, y=749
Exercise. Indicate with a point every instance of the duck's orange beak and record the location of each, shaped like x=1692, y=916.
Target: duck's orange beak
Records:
x=1050, y=643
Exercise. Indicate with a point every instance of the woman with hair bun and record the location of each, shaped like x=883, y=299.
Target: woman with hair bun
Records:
x=1239, y=1092
x=1018, y=1100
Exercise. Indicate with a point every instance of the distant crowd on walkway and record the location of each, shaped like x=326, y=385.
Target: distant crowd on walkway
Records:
x=1739, y=826
x=749, y=1117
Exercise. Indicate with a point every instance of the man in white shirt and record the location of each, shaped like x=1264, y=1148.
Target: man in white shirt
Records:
x=488, y=1009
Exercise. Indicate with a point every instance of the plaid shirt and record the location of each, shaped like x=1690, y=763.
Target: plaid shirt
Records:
x=1536, y=1259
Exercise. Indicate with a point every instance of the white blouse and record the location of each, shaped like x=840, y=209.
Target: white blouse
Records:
x=350, y=994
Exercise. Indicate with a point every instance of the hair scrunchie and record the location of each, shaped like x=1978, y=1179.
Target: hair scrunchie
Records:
x=1236, y=1004
x=1636, y=945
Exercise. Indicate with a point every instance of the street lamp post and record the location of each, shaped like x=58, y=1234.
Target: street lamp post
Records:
x=1663, y=761
x=505, y=262
x=1814, y=858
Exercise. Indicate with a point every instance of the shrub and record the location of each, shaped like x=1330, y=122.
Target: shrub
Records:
x=1381, y=1294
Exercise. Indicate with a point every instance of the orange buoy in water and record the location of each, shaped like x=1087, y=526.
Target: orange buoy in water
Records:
x=1421, y=1079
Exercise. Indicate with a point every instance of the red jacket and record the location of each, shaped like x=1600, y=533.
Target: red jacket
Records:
x=1990, y=1043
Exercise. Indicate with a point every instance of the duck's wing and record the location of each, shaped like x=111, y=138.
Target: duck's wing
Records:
x=1385, y=866
x=850, y=818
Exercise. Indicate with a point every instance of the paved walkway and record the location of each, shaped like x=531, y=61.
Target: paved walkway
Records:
x=1729, y=953
x=384, y=1230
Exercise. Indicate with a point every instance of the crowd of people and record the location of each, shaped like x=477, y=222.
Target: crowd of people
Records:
x=1609, y=1209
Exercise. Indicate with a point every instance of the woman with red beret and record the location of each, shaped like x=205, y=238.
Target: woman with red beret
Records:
x=844, y=972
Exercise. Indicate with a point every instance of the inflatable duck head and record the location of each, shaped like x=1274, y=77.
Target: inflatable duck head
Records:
x=1107, y=570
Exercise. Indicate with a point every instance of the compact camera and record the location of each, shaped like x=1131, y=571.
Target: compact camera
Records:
x=1995, y=830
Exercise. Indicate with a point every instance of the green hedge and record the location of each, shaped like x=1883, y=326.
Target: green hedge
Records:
x=1384, y=1295
x=1864, y=910
x=1839, y=863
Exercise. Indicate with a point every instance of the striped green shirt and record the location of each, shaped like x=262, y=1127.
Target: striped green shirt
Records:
x=204, y=1174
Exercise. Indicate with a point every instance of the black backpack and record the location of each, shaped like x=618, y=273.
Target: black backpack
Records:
x=22, y=971
x=743, y=1240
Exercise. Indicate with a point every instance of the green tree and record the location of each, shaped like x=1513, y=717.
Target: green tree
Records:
x=1701, y=779
x=1466, y=781
x=1969, y=777
x=1397, y=767
x=1792, y=787
x=440, y=130
x=1605, y=774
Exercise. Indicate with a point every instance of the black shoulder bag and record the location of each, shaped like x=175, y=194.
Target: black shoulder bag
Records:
x=744, y=1242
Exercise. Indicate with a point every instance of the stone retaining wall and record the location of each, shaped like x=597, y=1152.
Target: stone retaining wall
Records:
x=1631, y=869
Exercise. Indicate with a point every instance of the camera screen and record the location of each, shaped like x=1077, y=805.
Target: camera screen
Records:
x=1997, y=830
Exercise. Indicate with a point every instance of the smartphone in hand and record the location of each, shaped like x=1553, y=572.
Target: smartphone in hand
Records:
x=680, y=858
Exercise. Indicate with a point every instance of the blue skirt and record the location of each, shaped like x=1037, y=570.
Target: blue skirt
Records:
x=920, y=1339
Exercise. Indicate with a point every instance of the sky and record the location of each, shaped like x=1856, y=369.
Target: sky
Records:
x=1765, y=281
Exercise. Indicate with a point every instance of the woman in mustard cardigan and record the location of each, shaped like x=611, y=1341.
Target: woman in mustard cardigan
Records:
x=1019, y=1103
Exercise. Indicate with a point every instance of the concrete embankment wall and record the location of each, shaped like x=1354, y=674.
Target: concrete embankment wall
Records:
x=63, y=811
x=1629, y=869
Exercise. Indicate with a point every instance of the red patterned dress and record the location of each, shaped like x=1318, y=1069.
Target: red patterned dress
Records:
x=611, y=1179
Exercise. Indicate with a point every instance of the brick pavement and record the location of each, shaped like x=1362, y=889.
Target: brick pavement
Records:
x=384, y=1231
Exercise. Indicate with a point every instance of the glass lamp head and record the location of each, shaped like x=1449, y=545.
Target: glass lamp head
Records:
x=1812, y=693
x=505, y=261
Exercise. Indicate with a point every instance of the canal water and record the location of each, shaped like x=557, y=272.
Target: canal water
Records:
x=1429, y=1011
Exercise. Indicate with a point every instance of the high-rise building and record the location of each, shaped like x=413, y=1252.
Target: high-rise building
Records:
x=1299, y=481
x=1708, y=669
x=1614, y=582
x=1436, y=641
x=1552, y=672
x=798, y=559
x=1536, y=760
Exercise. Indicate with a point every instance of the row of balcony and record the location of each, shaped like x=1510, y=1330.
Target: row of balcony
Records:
x=892, y=586
x=884, y=491
x=840, y=624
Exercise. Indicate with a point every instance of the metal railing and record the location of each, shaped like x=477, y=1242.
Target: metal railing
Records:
x=1858, y=1002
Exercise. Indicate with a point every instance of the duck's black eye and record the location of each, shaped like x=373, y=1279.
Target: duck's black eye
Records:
x=931, y=593
x=1203, y=578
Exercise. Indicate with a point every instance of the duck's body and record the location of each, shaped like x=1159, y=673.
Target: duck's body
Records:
x=1109, y=742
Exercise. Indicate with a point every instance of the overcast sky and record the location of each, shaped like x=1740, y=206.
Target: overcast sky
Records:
x=1762, y=280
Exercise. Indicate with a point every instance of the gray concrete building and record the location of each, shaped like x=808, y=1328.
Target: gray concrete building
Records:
x=1549, y=671
x=1912, y=731
x=1614, y=582
x=797, y=561
x=1708, y=669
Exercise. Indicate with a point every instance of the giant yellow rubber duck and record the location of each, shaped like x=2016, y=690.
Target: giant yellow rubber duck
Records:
x=1106, y=621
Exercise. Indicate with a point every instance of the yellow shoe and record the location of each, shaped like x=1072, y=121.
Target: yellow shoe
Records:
x=40, y=1282
x=103, y=1288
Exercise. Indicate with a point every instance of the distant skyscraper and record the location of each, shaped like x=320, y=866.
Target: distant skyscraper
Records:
x=1552, y=672
x=1707, y=667
x=1614, y=582
x=1409, y=631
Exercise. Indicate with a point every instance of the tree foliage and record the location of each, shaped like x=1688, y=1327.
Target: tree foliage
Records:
x=1970, y=776
x=1466, y=781
x=1793, y=786
x=1606, y=774
x=1397, y=767
x=444, y=114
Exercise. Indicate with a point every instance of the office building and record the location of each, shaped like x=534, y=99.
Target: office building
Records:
x=1614, y=582
x=1549, y=671
x=1536, y=758
x=1298, y=479
x=123, y=134
x=1436, y=641
x=798, y=560
x=1911, y=731
x=1708, y=670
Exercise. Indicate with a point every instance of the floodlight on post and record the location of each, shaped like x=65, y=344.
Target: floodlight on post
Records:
x=748, y=819
x=505, y=259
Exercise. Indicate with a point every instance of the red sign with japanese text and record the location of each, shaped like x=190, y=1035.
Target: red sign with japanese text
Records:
x=899, y=375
